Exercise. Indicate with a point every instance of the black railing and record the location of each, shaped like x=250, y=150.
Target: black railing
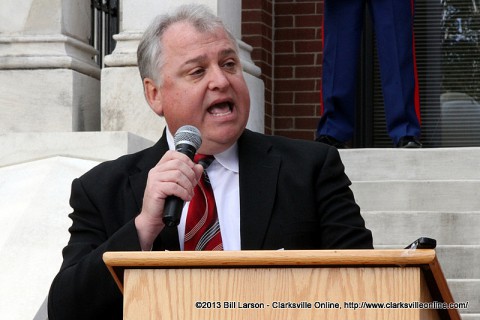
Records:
x=104, y=25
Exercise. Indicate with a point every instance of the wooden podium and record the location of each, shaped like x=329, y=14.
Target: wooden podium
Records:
x=316, y=284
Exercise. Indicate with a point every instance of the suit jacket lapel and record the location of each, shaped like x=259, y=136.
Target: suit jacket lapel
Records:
x=258, y=179
x=168, y=238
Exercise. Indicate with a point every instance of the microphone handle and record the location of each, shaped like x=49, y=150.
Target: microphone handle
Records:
x=187, y=150
x=172, y=211
x=174, y=205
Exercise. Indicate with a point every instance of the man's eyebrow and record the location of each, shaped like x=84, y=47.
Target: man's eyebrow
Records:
x=196, y=60
x=202, y=58
x=227, y=52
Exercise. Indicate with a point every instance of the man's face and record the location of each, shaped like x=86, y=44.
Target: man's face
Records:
x=203, y=86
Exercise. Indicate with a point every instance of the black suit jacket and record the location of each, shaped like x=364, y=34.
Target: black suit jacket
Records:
x=294, y=194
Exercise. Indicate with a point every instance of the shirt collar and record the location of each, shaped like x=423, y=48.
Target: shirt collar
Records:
x=227, y=159
x=171, y=142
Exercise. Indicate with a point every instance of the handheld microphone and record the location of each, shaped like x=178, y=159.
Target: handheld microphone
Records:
x=187, y=141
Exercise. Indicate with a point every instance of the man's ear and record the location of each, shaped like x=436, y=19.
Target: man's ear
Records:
x=153, y=96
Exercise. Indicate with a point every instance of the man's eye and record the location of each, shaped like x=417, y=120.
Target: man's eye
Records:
x=197, y=72
x=230, y=65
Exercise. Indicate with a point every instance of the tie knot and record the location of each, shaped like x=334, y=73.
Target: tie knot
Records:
x=204, y=159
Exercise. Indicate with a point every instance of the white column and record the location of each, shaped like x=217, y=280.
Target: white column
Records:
x=48, y=79
x=123, y=105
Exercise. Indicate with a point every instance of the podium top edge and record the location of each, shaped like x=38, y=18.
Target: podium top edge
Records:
x=267, y=258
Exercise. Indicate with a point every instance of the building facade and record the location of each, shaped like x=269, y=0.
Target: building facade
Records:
x=281, y=45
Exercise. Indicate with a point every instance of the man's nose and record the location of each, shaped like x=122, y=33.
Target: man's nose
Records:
x=217, y=79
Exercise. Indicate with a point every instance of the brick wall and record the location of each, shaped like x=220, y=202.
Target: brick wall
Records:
x=286, y=36
x=257, y=31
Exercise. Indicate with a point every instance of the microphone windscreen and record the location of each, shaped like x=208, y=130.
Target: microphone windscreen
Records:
x=188, y=135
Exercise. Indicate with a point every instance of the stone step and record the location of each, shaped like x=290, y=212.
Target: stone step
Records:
x=460, y=262
x=403, y=195
x=403, y=164
x=400, y=228
x=406, y=194
x=466, y=290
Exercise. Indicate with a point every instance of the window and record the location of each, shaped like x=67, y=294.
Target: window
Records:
x=104, y=26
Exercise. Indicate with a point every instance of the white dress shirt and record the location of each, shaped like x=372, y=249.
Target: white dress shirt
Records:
x=224, y=178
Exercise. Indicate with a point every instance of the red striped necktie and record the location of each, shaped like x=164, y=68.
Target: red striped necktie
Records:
x=202, y=229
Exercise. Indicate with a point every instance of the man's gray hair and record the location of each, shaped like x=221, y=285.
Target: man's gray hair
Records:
x=150, y=50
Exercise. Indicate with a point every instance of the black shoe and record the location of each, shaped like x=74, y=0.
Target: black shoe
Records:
x=409, y=142
x=331, y=141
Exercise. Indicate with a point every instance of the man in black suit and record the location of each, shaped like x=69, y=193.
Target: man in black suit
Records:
x=271, y=192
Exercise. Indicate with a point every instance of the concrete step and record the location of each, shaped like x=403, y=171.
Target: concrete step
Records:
x=466, y=290
x=460, y=262
x=403, y=164
x=406, y=194
x=403, y=195
x=400, y=228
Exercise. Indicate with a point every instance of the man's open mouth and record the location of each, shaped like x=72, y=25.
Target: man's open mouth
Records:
x=221, y=109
